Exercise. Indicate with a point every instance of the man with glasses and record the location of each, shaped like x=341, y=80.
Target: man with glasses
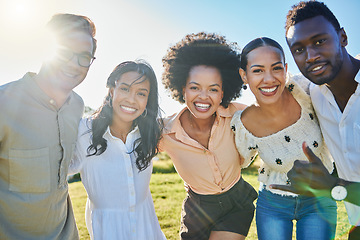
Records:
x=38, y=131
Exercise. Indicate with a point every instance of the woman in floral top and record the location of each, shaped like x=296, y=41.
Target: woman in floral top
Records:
x=274, y=128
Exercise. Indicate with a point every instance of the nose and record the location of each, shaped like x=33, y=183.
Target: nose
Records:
x=131, y=97
x=203, y=94
x=268, y=77
x=311, y=54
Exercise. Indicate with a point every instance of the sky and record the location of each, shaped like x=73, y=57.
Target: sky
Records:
x=133, y=29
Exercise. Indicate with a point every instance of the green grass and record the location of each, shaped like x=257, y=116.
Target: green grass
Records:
x=168, y=193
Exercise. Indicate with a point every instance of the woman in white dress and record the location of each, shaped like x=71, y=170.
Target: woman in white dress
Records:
x=113, y=155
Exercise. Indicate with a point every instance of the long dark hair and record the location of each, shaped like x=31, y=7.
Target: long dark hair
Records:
x=150, y=128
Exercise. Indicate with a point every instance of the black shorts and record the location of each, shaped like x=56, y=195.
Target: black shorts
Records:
x=232, y=211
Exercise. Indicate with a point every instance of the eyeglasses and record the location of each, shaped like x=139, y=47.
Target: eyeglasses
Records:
x=84, y=60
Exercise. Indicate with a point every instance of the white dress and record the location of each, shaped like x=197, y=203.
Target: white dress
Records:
x=278, y=151
x=119, y=203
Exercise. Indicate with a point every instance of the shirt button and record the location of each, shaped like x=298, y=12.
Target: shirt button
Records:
x=52, y=101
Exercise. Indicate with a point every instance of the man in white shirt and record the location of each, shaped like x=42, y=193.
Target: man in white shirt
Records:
x=317, y=43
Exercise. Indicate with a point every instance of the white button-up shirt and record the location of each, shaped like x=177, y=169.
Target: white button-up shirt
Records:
x=341, y=131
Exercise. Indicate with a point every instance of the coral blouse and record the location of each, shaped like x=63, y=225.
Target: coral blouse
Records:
x=211, y=170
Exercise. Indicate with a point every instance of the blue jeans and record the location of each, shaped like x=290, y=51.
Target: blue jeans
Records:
x=315, y=217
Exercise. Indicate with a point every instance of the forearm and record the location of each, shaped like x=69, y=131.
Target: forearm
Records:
x=353, y=192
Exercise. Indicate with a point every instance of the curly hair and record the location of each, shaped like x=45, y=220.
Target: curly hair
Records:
x=150, y=128
x=207, y=49
x=309, y=9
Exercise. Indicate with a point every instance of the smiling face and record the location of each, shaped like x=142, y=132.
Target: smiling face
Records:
x=129, y=97
x=317, y=49
x=265, y=73
x=68, y=74
x=203, y=91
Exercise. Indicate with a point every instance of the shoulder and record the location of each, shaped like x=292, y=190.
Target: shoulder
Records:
x=299, y=81
x=232, y=108
x=168, y=119
x=76, y=99
x=238, y=106
x=172, y=122
x=8, y=89
x=241, y=117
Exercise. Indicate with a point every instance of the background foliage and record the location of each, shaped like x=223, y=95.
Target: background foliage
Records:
x=168, y=193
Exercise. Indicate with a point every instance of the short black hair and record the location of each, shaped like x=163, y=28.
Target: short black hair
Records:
x=207, y=49
x=309, y=9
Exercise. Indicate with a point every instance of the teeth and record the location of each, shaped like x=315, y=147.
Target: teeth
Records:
x=316, y=68
x=201, y=105
x=129, y=109
x=268, y=90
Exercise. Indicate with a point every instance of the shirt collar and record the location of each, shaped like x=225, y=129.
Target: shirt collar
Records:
x=357, y=77
x=40, y=94
x=172, y=123
x=325, y=90
x=135, y=132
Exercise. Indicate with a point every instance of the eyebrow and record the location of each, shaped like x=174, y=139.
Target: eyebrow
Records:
x=212, y=85
x=142, y=89
x=312, y=38
x=263, y=65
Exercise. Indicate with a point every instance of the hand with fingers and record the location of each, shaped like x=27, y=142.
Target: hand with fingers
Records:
x=309, y=178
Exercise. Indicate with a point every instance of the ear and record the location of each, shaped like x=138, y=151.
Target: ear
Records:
x=343, y=37
x=183, y=93
x=243, y=75
x=111, y=91
x=286, y=67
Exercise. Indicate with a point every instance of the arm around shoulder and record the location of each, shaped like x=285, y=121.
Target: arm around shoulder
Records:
x=239, y=106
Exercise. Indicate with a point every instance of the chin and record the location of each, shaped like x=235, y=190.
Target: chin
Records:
x=320, y=80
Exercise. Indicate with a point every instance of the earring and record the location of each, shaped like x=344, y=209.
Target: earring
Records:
x=244, y=86
x=144, y=114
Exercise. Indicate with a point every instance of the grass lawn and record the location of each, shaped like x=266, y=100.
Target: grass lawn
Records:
x=168, y=194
